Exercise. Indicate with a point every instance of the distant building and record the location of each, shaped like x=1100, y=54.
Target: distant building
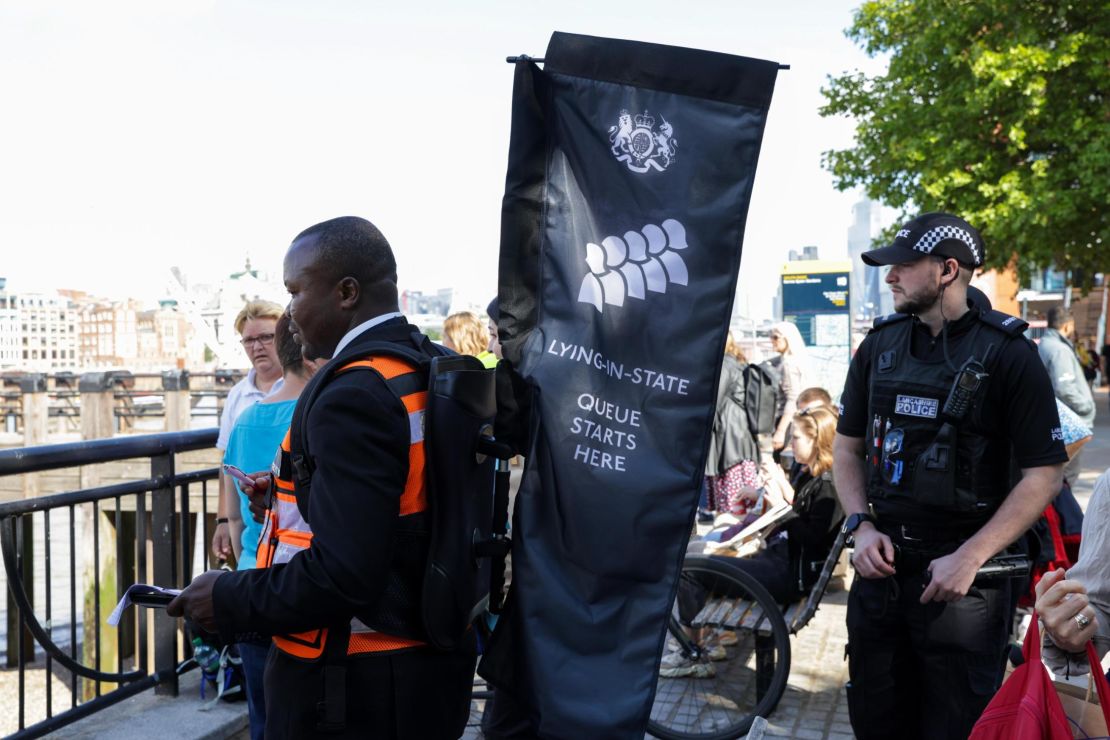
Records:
x=868, y=298
x=211, y=308
x=108, y=334
x=72, y=330
x=10, y=333
x=37, y=332
x=416, y=302
x=806, y=253
x=166, y=339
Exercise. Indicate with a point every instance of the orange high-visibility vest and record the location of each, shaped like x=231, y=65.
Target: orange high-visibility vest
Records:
x=285, y=532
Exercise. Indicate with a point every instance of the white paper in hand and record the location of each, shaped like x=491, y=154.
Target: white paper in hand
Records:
x=138, y=591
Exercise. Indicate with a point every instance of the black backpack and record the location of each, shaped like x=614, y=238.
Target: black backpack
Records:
x=762, y=391
x=458, y=419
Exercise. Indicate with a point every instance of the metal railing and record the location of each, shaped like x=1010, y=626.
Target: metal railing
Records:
x=147, y=527
x=136, y=395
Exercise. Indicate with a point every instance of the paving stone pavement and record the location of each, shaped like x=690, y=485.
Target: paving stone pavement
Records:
x=814, y=704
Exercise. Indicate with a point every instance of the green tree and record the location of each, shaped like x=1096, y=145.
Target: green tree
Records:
x=995, y=110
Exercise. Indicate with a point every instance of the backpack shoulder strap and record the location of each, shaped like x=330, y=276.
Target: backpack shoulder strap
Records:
x=404, y=367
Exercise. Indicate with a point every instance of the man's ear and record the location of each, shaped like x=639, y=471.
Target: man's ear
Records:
x=349, y=292
x=947, y=269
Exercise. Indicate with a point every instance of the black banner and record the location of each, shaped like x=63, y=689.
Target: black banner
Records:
x=630, y=173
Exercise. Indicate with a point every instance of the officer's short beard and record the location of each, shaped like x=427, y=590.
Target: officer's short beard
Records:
x=919, y=302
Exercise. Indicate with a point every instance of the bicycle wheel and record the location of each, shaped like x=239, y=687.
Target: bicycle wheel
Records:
x=714, y=691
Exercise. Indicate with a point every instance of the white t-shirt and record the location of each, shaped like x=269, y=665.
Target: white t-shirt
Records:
x=242, y=395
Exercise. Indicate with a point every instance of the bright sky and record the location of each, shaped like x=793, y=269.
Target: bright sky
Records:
x=139, y=135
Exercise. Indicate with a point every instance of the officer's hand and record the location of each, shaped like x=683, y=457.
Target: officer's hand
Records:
x=256, y=494
x=221, y=542
x=1059, y=601
x=874, y=552
x=950, y=577
x=195, y=602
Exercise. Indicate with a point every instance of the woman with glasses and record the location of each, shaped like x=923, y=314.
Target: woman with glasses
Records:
x=255, y=325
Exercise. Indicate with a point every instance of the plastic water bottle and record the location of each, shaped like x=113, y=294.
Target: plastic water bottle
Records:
x=206, y=657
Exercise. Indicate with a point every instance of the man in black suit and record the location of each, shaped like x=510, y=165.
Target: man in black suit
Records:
x=342, y=279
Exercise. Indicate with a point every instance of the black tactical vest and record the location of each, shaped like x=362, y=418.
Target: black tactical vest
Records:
x=922, y=466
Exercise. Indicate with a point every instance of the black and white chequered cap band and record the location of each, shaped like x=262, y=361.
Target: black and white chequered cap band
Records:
x=934, y=236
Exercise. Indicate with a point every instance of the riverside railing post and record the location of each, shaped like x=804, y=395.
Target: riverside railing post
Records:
x=98, y=422
x=98, y=419
x=163, y=569
x=36, y=412
x=175, y=392
x=35, y=404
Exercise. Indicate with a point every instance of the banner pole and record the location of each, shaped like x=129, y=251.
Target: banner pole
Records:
x=539, y=60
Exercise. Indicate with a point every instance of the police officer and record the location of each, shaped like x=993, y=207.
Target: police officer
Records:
x=941, y=398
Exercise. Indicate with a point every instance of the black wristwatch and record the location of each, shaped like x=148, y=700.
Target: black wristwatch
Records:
x=851, y=524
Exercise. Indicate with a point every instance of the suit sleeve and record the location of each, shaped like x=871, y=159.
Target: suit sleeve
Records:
x=358, y=435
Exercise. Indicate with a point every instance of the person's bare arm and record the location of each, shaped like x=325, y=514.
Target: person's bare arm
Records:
x=230, y=495
x=775, y=484
x=221, y=537
x=873, y=556
x=952, y=575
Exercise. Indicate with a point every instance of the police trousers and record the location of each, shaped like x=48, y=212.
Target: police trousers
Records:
x=922, y=670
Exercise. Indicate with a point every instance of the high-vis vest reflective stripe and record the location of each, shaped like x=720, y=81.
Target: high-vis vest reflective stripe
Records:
x=285, y=532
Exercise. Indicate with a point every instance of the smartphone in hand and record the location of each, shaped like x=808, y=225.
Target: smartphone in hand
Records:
x=239, y=475
x=155, y=599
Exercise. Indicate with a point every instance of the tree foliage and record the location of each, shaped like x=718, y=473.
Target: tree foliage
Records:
x=991, y=109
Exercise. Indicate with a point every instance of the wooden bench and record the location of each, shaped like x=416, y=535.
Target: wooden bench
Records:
x=745, y=616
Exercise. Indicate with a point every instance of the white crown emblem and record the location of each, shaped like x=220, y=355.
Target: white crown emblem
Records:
x=637, y=142
x=630, y=266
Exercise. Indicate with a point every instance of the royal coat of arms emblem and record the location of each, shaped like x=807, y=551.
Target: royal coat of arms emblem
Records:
x=642, y=145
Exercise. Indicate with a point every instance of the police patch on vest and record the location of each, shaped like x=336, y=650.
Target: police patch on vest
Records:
x=916, y=406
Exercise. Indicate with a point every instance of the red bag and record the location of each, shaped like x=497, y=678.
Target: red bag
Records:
x=1027, y=707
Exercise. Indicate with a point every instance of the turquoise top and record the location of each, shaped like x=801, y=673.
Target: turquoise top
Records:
x=253, y=444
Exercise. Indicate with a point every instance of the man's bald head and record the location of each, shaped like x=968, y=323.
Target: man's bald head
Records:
x=339, y=274
x=350, y=246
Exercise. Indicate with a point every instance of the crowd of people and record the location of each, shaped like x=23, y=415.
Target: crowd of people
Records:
x=953, y=436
